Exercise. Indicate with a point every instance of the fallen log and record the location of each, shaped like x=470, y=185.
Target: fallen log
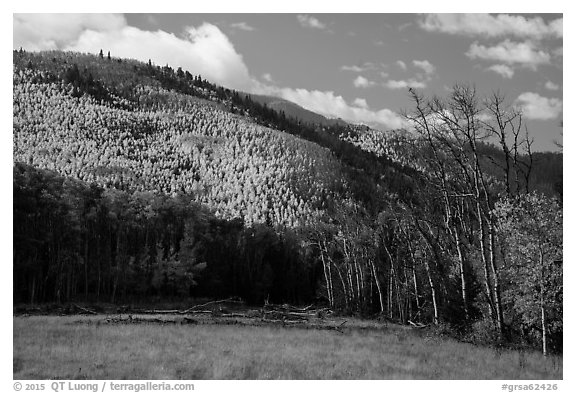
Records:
x=417, y=324
x=288, y=308
x=286, y=315
x=156, y=311
x=238, y=315
x=229, y=300
x=282, y=322
x=85, y=309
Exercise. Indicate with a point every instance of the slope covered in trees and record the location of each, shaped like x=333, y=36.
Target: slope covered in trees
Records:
x=133, y=180
x=170, y=142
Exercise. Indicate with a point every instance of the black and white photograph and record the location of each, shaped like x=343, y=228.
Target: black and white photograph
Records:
x=286, y=196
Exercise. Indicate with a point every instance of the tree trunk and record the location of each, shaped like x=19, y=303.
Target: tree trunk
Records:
x=462, y=273
x=487, y=285
x=496, y=281
x=326, y=274
x=390, y=297
x=542, y=307
x=33, y=290
x=432, y=290
x=378, y=286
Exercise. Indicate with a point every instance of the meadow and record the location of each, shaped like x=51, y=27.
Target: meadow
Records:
x=86, y=347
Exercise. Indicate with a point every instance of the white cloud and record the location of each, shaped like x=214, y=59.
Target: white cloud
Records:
x=54, y=31
x=503, y=70
x=403, y=84
x=557, y=26
x=425, y=65
x=335, y=106
x=359, y=68
x=509, y=52
x=486, y=25
x=360, y=102
x=362, y=82
x=404, y=26
x=485, y=117
x=536, y=107
x=401, y=64
x=353, y=68
x=311, y=22
x=242, y=26
x=551, y=86
x=268, y=77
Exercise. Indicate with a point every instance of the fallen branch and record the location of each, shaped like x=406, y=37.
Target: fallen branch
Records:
x=85, y=310
x=156, y=311
x=286, y=315
x=229, y=300
x=417, y=325
x=237, y=315
x=289, y=308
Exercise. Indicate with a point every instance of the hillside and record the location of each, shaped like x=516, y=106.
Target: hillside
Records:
x=170, y=142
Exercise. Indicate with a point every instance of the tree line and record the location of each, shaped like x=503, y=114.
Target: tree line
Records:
x=74, y=241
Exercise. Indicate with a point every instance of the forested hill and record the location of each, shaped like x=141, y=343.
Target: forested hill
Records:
x=143, y=127
x=139, y=182
x=366, y=152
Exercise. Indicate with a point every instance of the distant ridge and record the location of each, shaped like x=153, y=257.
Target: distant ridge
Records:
x=295, y=111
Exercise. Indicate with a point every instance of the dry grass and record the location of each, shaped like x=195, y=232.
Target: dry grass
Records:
x=60, y=347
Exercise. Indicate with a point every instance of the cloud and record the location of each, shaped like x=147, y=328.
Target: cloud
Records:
x=311, y=22
x=401, y=64
x=242, y=26
x=403, y=84
x=536, y=107
x=509, y=52
x=329, y=104
x=551, y=86
x=424, y=65
x=362, y=82
x=404, y=26
x=360, y=102
x=359, y=68
x=486, y=25
x=54, y=31
x=268, y=77
x=503, y=70
x=353, y=68
x=335, y=106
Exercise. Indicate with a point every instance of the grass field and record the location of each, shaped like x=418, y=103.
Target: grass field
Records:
x=80, y=347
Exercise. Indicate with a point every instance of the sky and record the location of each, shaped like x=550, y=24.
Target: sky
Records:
x=357, y=67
